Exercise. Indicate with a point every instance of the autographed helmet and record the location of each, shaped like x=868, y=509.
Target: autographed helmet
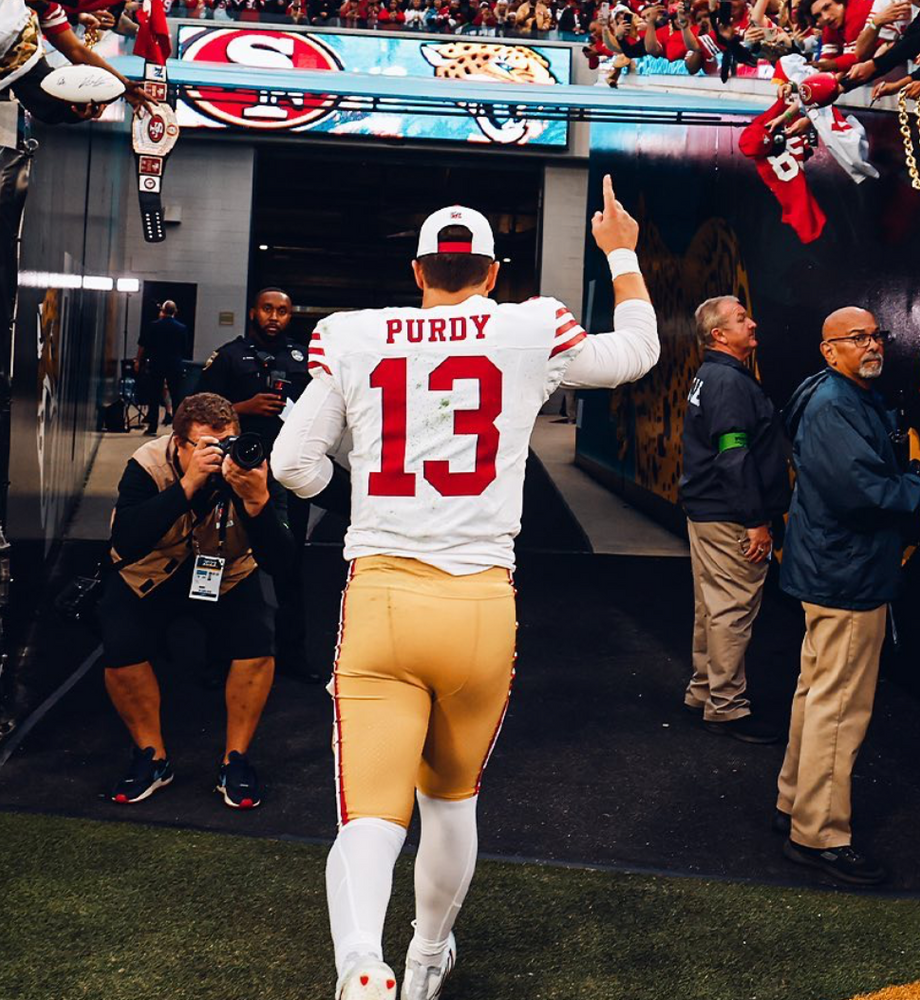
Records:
x=819, y=90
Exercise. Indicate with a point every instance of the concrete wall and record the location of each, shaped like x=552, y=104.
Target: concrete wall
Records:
x=565, y=193
x=208, y=185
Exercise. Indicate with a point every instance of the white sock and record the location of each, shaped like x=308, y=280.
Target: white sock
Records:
x=359, y=879
x=444, y=869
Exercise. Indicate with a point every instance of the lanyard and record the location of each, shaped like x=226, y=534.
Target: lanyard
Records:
x=223, y=513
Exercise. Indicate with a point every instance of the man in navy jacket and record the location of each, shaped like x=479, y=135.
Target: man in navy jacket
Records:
x=851, y=507
x=735, y=482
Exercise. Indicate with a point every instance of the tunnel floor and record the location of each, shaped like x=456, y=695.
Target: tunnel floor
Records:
x=597, y=762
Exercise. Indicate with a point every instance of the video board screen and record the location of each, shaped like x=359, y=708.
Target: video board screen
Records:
x=455, y=58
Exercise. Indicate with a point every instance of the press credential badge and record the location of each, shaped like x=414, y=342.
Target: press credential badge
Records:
x=208, y=572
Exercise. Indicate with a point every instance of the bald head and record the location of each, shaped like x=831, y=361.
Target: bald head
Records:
x=847, y=319
x=852, y=345
x=169, y=308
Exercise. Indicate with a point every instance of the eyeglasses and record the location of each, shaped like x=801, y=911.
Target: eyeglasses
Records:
x=861, y=340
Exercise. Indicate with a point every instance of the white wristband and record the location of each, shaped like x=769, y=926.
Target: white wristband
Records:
x=622, y=262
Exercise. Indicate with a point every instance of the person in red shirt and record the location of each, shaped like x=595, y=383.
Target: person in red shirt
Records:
x=93, y=14
x=392, y=16
x=679, y=41
x=841, y=25
x=485, y=16
x=23, y=66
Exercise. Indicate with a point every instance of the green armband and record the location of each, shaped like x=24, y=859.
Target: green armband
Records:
x=734, y=439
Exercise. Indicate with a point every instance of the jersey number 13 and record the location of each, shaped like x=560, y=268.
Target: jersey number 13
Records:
x=391, y=377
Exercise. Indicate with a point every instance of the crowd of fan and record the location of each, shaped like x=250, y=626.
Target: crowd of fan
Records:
x=534, y=18
x=720, y=37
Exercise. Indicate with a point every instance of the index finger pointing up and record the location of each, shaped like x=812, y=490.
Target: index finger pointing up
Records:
x=609, y=197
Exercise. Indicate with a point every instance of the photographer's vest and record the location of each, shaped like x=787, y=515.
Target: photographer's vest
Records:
x=158, y=459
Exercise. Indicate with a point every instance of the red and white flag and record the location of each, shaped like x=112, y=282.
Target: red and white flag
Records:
x=844, y=137
x=152, y=42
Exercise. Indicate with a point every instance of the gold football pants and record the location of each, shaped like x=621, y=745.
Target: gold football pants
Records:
x=422, y=679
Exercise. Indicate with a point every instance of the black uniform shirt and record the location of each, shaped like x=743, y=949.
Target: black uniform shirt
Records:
x=240, y=370
x=165, y=343
x=735, y=466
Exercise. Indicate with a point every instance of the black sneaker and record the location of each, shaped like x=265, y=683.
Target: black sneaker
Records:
x=144, y=777
x=747, y=729
x=842, y=863
x=238, y=783
x=782, y=823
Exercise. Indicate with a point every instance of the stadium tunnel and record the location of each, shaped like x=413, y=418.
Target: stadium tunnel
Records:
x=331, y=215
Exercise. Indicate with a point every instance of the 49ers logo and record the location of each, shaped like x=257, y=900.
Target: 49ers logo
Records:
x=156, y=129
x=261, y=109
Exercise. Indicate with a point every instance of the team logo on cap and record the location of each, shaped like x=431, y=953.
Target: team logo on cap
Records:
x=274, y=110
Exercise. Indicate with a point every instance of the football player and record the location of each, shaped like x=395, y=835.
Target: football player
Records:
x=441, y=401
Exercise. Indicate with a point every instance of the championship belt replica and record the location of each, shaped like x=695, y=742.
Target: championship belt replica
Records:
x=153, y=137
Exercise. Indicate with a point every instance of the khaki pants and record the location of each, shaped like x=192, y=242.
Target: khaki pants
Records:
x=830, y=714
x=727, y=591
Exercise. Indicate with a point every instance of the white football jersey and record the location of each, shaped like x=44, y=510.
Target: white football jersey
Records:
x=441, y=403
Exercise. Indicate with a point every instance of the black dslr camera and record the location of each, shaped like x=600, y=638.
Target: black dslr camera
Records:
x=244, y=449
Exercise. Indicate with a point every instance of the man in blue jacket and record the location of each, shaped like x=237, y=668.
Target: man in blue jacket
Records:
x=735, y=482
x=851, y=507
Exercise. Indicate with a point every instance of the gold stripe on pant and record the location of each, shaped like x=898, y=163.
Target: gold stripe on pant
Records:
x=727, y=591
x=830, y=714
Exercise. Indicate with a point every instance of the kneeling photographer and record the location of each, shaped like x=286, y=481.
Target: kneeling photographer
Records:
x=196, y=516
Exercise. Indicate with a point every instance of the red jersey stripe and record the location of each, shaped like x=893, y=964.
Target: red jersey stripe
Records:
x=561, y=312
x=318, y=364
x=559, y=348
x=563, y=330
x=317, y=350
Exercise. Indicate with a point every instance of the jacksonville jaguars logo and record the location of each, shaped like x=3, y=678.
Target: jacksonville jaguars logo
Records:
x=483, y=63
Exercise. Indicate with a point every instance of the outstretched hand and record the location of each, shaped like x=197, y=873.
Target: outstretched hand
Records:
x=614, y=228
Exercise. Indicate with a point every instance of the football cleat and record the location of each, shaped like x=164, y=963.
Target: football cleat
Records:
x=367, y=979
x=426, y=982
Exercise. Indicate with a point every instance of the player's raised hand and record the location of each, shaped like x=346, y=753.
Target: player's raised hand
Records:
x=614, y=228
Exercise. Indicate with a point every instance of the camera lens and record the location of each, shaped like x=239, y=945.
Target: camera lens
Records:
x=247, y=451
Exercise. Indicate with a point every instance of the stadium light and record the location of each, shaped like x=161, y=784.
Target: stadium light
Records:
x=98, y=283
x=128, y=285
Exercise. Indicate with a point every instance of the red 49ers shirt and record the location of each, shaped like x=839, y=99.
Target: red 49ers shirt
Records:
x=784, y=175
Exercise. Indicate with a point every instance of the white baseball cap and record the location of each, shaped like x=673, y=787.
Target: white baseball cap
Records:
x=483, y=242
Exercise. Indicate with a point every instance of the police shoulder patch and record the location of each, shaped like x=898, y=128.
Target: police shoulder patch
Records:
x=210, y=361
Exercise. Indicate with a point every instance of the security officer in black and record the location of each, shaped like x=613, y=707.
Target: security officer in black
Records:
x=735, y=482
x=259, y=373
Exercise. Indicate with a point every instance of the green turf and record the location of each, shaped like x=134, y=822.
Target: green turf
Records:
x=126, y=912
